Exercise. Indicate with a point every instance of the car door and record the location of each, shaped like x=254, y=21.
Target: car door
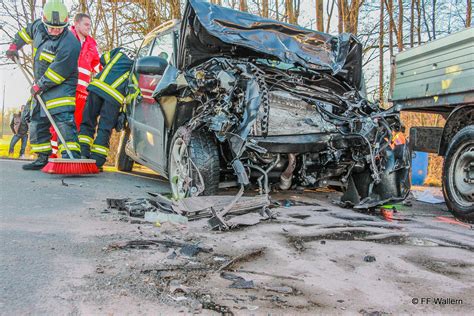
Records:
x=147, y=120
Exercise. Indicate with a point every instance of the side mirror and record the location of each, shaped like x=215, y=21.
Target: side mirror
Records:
x=151, y=65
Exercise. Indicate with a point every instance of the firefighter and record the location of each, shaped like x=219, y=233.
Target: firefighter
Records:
x=88, y=63
x=55, y=55
x=105, y=100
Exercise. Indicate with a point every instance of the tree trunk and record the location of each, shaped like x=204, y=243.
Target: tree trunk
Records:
x=329, y=11
x=277, y=12
x=290, y=13
x=340, y=16
x=425, y=20
x=175, y=9
x=412, y=23
x=400, y=26
x=319, y=15
x=391, y=26
x=351, y=15
x=243, y=5
x=469, y=13
x=433, y=12
x=83, y=6
x=381, y=45
x=265, y=8
x=418, y=21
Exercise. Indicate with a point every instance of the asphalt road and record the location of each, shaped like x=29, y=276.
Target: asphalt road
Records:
x=55, y=255
x=47, y=238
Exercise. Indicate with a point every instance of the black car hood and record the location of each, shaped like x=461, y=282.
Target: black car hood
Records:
x=211, y=31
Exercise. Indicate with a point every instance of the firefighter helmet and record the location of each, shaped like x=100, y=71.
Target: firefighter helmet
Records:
x=55, y=14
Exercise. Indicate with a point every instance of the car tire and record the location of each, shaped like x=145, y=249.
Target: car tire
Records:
x=200, y=146
x=458, y=194
x=124, y=162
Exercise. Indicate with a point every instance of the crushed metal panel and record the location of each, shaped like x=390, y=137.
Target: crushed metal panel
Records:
x=209, y=30
x=200, y=206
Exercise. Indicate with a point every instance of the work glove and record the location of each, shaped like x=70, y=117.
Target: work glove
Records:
x=121, y=121
x=12, y=52
x=35, y=90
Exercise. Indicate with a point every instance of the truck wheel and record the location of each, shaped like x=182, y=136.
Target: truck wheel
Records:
x=458, y=174
x=124, y=162
x=189, y=152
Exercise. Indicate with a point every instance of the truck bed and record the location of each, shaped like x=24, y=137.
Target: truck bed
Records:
x=436, y=76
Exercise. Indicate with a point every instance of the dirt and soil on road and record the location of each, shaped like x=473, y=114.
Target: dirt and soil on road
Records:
x=80, y=257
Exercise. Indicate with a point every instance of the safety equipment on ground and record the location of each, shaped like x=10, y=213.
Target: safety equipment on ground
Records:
x=55, y=14
x=12, y=51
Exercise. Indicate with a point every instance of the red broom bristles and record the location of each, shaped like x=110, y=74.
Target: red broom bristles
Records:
x=70, y=166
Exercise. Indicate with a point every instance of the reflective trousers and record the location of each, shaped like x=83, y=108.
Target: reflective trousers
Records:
x=80, y=104
x=40, y=136
x=97, y=147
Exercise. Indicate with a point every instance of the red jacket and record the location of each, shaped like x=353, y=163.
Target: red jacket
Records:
x=89, y=61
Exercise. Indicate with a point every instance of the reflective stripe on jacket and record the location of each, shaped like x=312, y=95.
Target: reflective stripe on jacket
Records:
x=111, y=83
x=55, y=64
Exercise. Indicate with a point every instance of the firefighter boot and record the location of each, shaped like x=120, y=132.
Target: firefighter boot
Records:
x=38, y=164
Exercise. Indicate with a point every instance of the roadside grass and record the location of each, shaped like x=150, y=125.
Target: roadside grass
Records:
x=5, y=145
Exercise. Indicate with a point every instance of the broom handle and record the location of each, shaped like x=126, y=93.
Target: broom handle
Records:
x=43, y=106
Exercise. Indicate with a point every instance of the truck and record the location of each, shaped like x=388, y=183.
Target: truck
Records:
x=438, y=77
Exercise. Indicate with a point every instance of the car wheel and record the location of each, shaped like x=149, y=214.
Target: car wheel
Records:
x=193, y=165
x=124, y=162
x=458, y=174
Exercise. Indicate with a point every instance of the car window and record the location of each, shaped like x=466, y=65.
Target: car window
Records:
x=144, y=49
x=163, y=46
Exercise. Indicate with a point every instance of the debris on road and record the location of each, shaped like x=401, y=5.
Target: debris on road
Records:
x=238, y=281
x=241, y=210
x=369, y=259
x=428, y=196
x=160, y=217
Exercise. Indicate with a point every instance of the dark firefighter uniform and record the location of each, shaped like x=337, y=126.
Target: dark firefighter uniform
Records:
x=55, y=71
x=107, y=93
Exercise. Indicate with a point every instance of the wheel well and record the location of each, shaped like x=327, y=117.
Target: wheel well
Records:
x=457, y=120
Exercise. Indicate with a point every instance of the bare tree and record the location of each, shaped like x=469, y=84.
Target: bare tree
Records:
x=265, y=8
x=243, y=5
x=340, y=14
x=381, y=45
x=329, y=13
x=468, y=13
x=320, y=15
x=412, y=22
x=400, y=26
x=433, y=19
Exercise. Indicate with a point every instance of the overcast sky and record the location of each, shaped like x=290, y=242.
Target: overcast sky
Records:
x=16, y=87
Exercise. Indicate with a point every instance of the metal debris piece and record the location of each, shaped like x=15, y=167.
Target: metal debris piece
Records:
x=248, y=219
x=190, y=250
x=117, y=203
x=243, y=257
x=369, y=259
x=238, y=281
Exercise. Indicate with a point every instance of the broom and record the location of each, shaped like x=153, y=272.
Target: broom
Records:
x=69, y=166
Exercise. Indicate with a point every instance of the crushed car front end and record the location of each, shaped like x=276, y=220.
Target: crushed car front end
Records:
x=286, y=106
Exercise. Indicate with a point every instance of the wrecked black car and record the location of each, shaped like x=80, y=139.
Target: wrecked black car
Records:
x=225, y=96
